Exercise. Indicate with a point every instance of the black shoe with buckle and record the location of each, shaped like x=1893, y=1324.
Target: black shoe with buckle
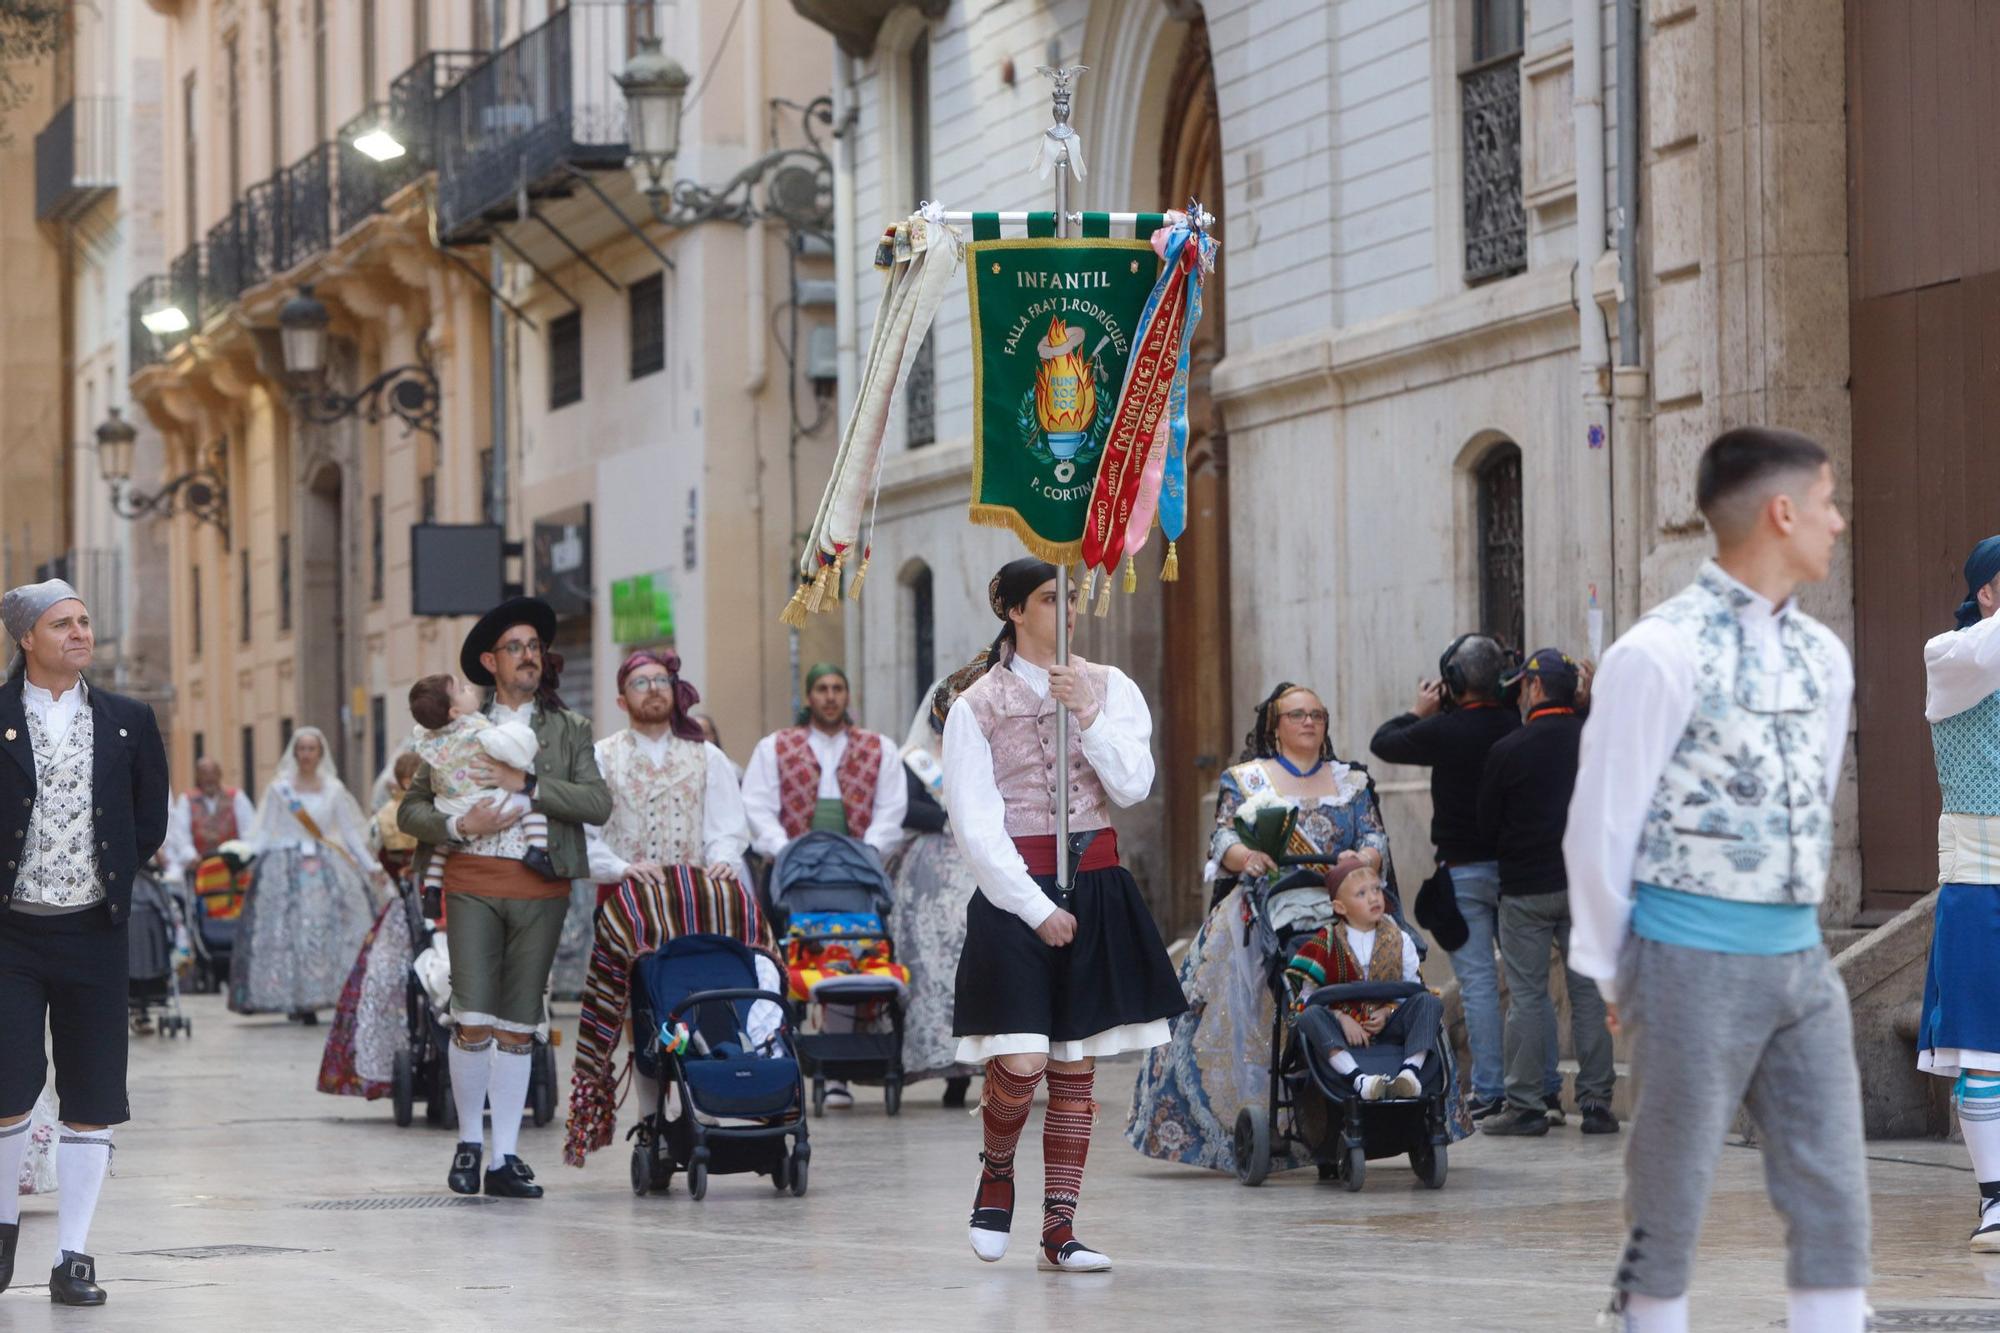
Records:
x=510, y=1178
x=74, y=1281
x=464, y=1177
x=10, y=1236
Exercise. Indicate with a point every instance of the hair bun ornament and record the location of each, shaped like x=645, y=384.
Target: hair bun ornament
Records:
x=993, y=598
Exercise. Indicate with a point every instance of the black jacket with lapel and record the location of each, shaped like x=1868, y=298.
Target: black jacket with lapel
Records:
x=128, y=786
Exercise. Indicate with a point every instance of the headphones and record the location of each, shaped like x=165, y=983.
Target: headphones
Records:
x=1454, y=678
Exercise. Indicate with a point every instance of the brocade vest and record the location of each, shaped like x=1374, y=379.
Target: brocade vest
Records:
x=1967, y=747
x=1020, y=728
x=1741, y=812
x=798, y=779
x=59, y=866
x=209, y=829
x=656, y=809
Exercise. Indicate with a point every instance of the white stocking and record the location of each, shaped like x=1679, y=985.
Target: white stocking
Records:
x=513, y=1066
x=81, y=1161
x=471, y=1074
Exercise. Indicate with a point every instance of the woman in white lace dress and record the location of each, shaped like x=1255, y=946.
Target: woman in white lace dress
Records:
x=310, y=903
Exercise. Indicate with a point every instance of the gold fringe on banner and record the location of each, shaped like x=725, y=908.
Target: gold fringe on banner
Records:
x=1131, y=575
x=794, y=613
x=1171, y=571
x=1056, y=553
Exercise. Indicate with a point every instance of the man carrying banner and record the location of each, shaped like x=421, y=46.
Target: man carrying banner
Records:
x=1051, y=977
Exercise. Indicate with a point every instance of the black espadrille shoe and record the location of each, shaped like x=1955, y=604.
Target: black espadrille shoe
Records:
x=10, y=1236
x=1072, y=1256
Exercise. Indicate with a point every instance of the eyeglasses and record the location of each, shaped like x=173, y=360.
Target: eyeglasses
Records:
x=1300, y=716
x=520, y=648
x=649, y=684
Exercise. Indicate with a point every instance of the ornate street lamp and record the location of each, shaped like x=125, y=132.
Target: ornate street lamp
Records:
x=797, y=182
x=408, y=393
x=202, y=491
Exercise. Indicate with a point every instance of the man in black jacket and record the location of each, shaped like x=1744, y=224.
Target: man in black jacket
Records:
x=1523, y=809
x=83, y=803
x=1455, y=721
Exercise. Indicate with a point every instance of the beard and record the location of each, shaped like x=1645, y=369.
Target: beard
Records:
x=651, y=709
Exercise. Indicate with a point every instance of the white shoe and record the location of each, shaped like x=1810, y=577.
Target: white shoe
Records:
x=1372, y=1087
x=1986, y=1240
x=1406, y=1084
x=990, y=1246
x=1073, y=1257
x=838, y=1098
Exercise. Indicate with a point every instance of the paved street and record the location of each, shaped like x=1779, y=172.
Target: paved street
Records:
x=235, y=1151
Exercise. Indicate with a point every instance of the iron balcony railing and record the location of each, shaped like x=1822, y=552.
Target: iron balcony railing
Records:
x=413, y=99
x=146, y=347
x=364, y=183
x=524, y=112
x=184, y=286
x=76, y=158
x=260, y=232
x=307, y=229
x=222, y=279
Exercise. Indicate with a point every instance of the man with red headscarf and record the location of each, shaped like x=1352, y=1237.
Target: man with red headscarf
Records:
x=674, y=799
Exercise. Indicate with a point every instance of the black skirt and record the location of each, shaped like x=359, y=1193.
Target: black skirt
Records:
x=1114, y=973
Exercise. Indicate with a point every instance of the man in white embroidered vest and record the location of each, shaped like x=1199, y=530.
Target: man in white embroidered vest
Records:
x=674, y=798
x=203, y=818
x=826, y=773
x=1698, y=844
x=83, y=804
x=1052, y=977
x=504, y=917
x=1959, y=1037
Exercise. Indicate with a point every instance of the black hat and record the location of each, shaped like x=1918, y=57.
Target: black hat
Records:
x=514, y=611
x=1438, y=911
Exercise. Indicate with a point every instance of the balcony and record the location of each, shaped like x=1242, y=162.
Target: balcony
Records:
x=525, y=113
x=184, y=285
x=307, y=200
x=152, y=296
x=76, y=158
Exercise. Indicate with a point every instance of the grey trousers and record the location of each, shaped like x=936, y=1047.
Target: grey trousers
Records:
x=1529, y=925
x=1772, y=1032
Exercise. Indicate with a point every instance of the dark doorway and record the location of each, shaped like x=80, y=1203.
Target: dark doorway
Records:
x=322, y=622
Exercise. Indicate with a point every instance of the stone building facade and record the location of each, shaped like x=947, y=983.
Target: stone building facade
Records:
x=1415, y=416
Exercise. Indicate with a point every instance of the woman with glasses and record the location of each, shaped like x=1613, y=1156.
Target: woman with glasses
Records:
x=1185, y=1103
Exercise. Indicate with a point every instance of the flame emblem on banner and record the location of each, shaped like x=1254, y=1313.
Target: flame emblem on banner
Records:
x=1065, y=393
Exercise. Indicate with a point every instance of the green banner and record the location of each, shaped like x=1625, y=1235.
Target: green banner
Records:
x=1052, y=326
x=642, y=610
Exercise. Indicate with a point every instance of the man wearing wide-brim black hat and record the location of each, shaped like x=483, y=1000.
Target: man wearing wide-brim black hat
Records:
x=506, y=918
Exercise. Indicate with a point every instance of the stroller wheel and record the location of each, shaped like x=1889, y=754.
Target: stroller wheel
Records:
x=1253, y=1145
x=1430, y=1165
x=781, y=1173
x=543, y=1099
x=892, y=1094
x=403, y=1090
x=1357, y=1168
x=799, y=1156
x=698, y=1177
x=819, y=1098
x=642, y=1168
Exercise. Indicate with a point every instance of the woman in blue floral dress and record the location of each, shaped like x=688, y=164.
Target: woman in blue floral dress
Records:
x=1185, y=1103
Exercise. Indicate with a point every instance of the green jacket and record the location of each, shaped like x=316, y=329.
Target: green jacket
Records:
x=568, y=789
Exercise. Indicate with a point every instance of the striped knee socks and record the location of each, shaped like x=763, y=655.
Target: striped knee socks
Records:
x=1004, y=1111
x=1978, y=1097
x=1065, y=1146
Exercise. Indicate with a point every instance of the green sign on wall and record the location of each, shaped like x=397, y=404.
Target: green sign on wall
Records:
x=642, y=610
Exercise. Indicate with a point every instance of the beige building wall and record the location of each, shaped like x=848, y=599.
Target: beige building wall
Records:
x=34, y=502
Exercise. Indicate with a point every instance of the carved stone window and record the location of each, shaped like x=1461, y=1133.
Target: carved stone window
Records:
x=1496, y=219
x=1503, y=579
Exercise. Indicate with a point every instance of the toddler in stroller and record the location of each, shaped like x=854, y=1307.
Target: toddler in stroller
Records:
x=1358, y=1058
x=711, y=1030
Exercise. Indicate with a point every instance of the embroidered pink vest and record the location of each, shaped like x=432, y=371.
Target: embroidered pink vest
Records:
x=798, y=780
x=1021, y=729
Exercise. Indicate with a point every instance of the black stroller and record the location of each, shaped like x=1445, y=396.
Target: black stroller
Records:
x=422, y=1067
x=1309, y=1104
x=155, y=926
x=829, y=901
x=730, y=1094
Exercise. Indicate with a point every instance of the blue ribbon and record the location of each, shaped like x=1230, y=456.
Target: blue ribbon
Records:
x=1173, y=481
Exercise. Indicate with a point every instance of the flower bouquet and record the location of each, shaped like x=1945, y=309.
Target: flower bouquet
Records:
x=1265, y=823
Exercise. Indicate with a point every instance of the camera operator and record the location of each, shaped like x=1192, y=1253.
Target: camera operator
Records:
x=1455, y=721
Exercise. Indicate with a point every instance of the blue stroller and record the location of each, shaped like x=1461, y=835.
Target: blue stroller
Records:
x=724, y=1068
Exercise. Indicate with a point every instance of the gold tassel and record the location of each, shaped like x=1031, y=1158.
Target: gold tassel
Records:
x=1104, y=596
x=794, y=613
x=854, y=588
x=829, y=578
x=1171, y=571
x=1131, y=575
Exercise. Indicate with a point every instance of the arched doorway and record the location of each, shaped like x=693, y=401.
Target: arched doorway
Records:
x=320, y=618
x=1198, y=734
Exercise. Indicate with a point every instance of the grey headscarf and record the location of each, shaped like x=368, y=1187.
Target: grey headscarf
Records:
x=22, y=607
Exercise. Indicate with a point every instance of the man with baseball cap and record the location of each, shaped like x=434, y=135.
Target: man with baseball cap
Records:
x=83, y=804
x=506, y=916
x=1523, y=810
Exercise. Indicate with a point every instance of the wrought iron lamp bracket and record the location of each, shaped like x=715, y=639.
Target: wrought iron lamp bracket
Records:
x=685, y=203
x=202, y=492
x=409, y=393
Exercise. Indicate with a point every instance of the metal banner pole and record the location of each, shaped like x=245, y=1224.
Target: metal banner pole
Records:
x=1060, y=98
